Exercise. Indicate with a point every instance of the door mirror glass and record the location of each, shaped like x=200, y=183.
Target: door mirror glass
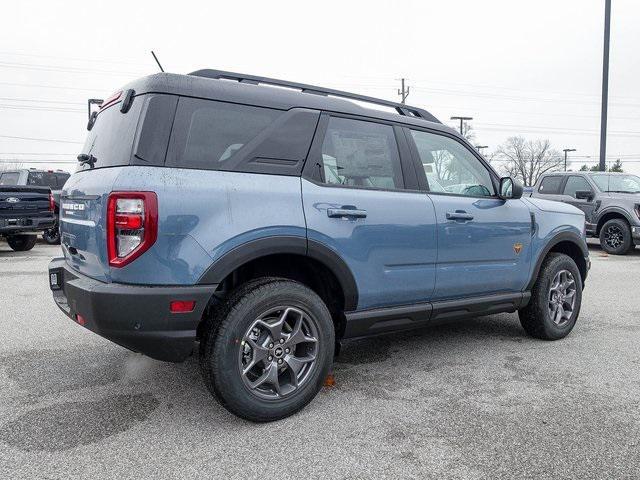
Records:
x=584, y=195
x=509, y=188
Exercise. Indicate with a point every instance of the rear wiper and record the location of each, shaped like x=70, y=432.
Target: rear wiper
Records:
x=87, y=159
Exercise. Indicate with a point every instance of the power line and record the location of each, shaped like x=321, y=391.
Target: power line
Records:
x=78, y=59
x=39, y=153
x=41, y=139
x=56, y=68
x=29, y=85
x=37, y=100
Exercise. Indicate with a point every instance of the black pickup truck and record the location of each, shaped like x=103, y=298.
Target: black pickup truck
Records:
x=25, y=211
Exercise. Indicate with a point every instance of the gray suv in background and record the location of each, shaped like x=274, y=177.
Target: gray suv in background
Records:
x=610, y=202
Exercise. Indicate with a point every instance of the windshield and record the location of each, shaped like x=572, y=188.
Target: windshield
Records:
x=9, y=178
x=617, y=183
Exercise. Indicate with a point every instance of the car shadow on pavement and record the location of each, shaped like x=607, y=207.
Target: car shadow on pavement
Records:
x=596, y=249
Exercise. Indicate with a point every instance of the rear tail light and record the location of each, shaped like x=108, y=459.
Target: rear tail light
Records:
x=52, y=203
x=132, y=225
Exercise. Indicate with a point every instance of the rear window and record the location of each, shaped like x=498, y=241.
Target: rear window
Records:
x=550, y=185
x=62, y=178
x=42, y=179
x=110, y=140
x=209, y=133
x=9, y=178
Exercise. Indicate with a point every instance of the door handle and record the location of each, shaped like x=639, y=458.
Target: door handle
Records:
x=344, y=212
x=459, y=215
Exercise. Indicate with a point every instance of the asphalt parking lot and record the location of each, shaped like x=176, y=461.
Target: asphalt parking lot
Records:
x=477, y=399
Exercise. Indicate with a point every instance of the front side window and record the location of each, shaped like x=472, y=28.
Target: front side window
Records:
x=361, y=154
x=215, y=131
x=450, y=167
x=576, y=184
x=550, y=185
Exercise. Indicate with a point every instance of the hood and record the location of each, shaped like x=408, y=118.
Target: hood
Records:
x=624, y=196
x=552, y=206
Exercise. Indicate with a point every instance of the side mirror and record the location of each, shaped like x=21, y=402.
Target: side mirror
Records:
x=510, y=189
x=584, y=195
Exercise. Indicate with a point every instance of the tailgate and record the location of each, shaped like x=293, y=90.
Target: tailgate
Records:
x=82, y=221
x=24, y=202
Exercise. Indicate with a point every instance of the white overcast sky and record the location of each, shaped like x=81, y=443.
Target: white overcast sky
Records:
x=517, y=67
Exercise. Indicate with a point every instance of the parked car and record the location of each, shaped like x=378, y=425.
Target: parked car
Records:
x=24, y=212
x=271, y=224
x=610, y=202
x=40, y=178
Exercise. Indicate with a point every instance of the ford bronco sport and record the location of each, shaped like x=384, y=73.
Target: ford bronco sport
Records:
x=267, y=221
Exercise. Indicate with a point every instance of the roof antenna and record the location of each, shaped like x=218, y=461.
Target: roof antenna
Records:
x=157, y=61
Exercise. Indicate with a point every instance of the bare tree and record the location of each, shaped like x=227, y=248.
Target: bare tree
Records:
x=528, y=159
x=468, y=132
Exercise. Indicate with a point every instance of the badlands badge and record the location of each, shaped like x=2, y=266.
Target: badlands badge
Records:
x=517, y=247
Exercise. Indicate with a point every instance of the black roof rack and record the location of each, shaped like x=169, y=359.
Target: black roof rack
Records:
x=401, y=108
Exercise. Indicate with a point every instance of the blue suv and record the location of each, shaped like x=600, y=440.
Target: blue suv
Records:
x=263, y=222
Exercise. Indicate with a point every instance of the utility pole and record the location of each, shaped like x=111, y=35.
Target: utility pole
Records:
x=605, y=85
x=462, y=120
x=404, y=93
x=567, y=150
x=480, y=147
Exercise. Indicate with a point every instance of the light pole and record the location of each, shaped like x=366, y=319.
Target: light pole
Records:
x=605, y=86
x=462, y=119
x=480, y=147
x=567, y=150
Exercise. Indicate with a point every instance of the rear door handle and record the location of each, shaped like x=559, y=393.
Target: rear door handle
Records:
x=345, y=212
x=459, y=215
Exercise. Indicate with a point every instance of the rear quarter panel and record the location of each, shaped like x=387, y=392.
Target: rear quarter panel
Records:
x=205, y=214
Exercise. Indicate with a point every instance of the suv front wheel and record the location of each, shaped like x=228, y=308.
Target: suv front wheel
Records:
x=615, y=237
x=555, y=299
x=267, y=349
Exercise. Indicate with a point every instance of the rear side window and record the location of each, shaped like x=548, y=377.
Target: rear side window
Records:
x=361, y=154
x=575, y=184
x=9, y=178
x=42, y=179
x=210, y=133
x=550, y=185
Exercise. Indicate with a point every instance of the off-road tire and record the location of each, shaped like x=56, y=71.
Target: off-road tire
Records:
x=624, y=244
x=535, y=317
x=22, y=243
x=222, y=339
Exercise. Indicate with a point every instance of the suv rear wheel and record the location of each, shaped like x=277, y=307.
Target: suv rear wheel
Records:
x=555, y=299
x=22, y=243
x=266, y=351
x=615, y=237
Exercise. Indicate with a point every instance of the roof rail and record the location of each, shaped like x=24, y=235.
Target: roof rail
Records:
x=401, y=108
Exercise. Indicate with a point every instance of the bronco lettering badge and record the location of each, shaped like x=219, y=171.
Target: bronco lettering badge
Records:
x=517, y=247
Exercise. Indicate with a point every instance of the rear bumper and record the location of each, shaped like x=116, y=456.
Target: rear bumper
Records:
x=12, y=226
x=635, y=233
x=135, y=317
